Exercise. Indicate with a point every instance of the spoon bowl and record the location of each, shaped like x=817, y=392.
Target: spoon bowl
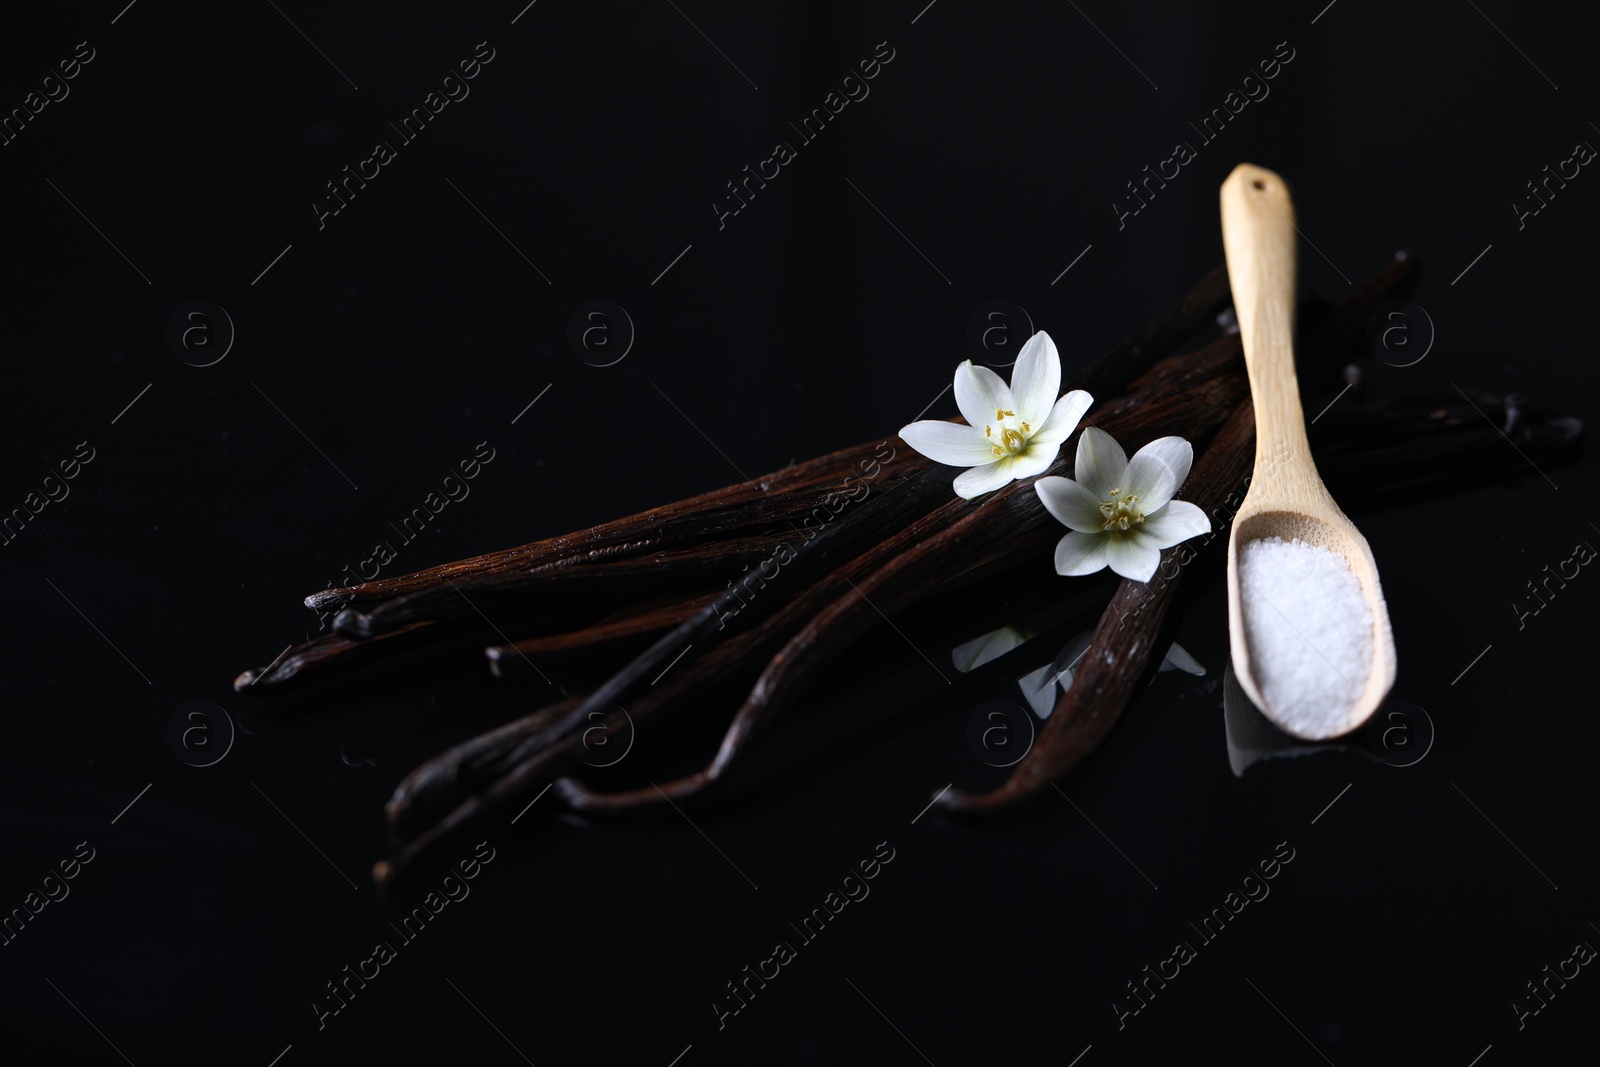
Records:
x=1286, y=498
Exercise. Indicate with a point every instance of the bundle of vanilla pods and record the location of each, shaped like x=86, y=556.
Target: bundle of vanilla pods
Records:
x=726, y=606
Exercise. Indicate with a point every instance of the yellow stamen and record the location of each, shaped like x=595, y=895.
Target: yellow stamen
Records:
x=1121, y=514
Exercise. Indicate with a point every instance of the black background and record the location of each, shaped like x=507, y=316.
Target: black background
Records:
x=411, y=327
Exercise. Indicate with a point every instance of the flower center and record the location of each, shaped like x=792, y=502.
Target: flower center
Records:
x=1121, y=511
x=1011, y=440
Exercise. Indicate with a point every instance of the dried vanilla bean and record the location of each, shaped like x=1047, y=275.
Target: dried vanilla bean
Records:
x=768, y=510
x=914, y=540
x=1109, y=673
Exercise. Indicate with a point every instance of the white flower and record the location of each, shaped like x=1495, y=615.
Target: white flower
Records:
x=1039, y=686
x=1121, y=512
x=1013, y=431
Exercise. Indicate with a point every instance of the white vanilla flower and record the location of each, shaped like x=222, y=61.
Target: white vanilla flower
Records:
x=1013, y=431
x=1039, y=686
x=1120, y=511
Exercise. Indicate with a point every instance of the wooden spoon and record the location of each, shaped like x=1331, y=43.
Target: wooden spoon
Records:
x=1286, y=498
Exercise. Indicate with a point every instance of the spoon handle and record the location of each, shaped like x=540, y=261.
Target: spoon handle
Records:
x=1258, y=237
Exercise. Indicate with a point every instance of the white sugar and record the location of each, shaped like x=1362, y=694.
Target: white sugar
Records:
x=1310, y=632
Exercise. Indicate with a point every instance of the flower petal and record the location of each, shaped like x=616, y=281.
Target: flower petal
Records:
x=1036, y=379
x=1152, y=482
x=1178, y=521
x=1133, y=555
x=1072, y=505
x=948, y=442
x=980, y=650
x=1035, y=459
x=979, y=392
x=984, y=479
x=1100, y=464
x=1063, y=418
x=1039, y=689
x=1081, y=553
x=1157, y=471
x=1178, y=659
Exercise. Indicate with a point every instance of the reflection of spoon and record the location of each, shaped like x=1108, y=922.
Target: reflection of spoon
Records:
x=1400, y=737
x=1251, y=735
x=1286, y=498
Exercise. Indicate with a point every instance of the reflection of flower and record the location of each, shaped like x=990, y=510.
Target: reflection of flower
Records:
x=1039, y=686
x=1022, y=435
x=1120, y=512
x=992, y=645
